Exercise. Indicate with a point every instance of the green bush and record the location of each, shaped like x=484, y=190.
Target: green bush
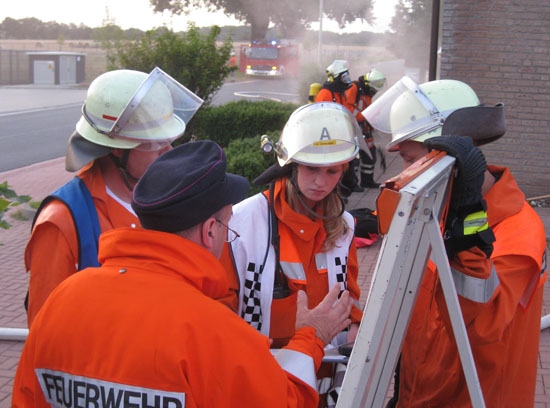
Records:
x=240, y=120
x=245, y=157
x=195, y=60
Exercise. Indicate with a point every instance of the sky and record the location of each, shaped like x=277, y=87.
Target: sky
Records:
x=138, y=14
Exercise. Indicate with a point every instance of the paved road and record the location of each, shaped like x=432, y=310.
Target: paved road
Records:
x=32, y=136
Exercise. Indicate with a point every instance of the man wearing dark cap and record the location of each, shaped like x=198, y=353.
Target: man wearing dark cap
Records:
x=144, y=330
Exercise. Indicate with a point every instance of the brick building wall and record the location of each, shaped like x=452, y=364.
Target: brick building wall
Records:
x=501, y=48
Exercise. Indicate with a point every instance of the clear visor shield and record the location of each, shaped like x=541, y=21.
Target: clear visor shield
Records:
x=377, y=83
x=156, y=114
x=404, y=111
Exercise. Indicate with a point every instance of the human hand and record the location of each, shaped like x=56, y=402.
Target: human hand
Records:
x=467, y=224
x=329, y=317
x=470, y=165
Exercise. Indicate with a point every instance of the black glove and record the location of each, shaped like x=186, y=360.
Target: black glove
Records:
x=466, y=225
x=470, y=165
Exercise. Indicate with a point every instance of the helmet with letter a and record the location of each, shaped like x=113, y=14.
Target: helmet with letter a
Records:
x=319, y=134
x=409, y=111
x=126, y=109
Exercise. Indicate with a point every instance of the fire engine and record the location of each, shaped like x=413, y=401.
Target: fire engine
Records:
x=269, y=58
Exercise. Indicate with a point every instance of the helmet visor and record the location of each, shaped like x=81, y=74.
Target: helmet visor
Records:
x=156, y=114
x=377, y=83
x=403, y=111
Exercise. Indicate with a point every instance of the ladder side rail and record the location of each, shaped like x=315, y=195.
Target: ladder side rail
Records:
x=435, y=196
x=455, y=313
x=403, y=250
x=379, y=302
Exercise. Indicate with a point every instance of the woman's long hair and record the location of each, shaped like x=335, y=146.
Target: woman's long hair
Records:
x=331, y=207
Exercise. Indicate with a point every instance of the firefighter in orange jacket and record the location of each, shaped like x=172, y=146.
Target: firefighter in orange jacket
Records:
x=296, y=235
x=111, y=156
x=144, y=329
x=358, y=97
x=499, y=280
x=334, y=90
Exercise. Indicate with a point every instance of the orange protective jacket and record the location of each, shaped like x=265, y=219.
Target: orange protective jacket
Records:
x=143, y=328
x=357, y=105
x=503, y=332
x=52, y=252
x=326, y=95
x=307, y=236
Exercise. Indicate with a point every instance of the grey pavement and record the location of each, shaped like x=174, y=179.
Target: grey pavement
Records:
x=40, y=179
x=27, y=97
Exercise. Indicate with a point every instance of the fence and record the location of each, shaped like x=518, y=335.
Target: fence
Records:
x=14, y=67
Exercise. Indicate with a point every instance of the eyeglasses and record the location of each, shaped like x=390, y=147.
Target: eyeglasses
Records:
x=232, y=235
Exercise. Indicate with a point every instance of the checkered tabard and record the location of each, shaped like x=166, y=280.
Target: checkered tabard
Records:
x=341, y=271
x=252, y=312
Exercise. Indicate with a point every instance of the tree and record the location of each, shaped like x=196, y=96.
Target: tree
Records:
x=412, y=25
x=194, y=60
x=60, y=41
x=289, y=15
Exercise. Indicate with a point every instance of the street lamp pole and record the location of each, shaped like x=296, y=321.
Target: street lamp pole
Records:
x=320, y=32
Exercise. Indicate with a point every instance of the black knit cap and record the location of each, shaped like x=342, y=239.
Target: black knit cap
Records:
x=185, y=186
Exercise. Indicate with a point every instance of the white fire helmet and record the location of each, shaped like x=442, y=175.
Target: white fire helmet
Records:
x=411, y=111
x=130, y=109
x=319, y=134
x=375, y=79
x=336, y=68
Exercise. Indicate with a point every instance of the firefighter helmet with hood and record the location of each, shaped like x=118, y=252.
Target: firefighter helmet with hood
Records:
x=127, y=109
x=409, y=111
x=339, y=70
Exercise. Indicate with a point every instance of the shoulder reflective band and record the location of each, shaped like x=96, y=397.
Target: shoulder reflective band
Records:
x=475, y=223
x=476, y=289
x=63, y=389
x=298, y=364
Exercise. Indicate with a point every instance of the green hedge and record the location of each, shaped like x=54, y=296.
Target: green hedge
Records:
x=240, y=120
x=245, y=157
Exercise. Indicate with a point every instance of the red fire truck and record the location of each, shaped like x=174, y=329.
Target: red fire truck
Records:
x=270, y=58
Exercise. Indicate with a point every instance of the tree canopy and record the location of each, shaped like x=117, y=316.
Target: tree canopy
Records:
x=288, y=15
x=195, y=60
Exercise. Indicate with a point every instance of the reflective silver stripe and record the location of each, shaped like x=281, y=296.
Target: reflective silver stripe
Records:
x=321, y=261
x=543, y=266
x=298, y=364
x=476, y=289
x=356, y=303
x=294, y=270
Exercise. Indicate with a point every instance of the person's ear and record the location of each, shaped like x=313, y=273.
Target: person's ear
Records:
x=208, y=233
